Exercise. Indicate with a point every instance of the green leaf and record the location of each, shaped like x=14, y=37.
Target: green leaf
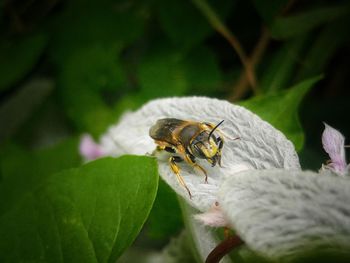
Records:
x=18, y=56
x=165, y=219
x=18, y=108
x=23, y=171
x=278, y=73
x=286, y=27
x=88, y=214
x=281, y=110
x=183, y=22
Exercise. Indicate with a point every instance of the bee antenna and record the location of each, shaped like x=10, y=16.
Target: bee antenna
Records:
x=211, y=133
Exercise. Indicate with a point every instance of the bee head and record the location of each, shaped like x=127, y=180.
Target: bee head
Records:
x=206, y=146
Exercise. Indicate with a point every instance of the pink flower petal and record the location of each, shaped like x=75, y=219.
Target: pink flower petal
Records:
x=333, y=144
x=89, y=149
x=213, y=217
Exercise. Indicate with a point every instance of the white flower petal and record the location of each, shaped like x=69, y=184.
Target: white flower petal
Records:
x=260, y=145
x=276, y=212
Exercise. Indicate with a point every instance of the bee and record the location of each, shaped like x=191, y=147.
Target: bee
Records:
x=188, y=140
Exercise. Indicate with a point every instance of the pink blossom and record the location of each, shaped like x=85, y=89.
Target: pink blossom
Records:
x=89, y=149
x=333, y=144
x=214, y=217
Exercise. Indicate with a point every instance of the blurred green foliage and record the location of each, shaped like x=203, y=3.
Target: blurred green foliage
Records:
x=69, y=67
x=192, y=28
x=22, y=108
x=19, y=56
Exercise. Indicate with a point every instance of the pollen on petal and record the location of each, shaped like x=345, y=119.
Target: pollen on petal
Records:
x=89, y=149
x=333, y=144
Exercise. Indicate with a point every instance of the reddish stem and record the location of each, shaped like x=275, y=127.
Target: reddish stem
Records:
x=224, y=248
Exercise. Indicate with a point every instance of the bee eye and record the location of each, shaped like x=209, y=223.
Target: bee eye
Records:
x=197, y=151
x=215, y=139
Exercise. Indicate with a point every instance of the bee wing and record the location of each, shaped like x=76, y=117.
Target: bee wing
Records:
x=164, y=128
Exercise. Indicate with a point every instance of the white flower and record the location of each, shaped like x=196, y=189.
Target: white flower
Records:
x=260, y=146
x=280, y=212
x=277, y=212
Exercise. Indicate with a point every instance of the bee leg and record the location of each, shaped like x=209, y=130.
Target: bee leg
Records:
x=170, y=150
x=176, y=169
x=190, y=159
x=219, y=159
x=157, y=150
x=220, y=141
x=203, y=171
x=161, y=148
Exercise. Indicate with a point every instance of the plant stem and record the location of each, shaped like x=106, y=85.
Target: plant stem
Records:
x=224, y=248
x=221, y=28
x=241, y=85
